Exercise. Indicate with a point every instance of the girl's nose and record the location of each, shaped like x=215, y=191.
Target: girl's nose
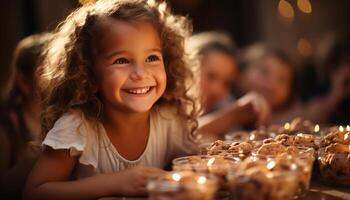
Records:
x=138, y=72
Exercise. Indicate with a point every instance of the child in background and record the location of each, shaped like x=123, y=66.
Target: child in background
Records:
x=218, y=72
x=218, y=68
x=116, y=81
x=20, y=119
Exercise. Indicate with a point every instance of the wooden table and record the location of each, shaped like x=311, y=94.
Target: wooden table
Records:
x=317, y=191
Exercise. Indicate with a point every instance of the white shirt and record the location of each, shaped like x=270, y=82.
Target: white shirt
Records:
x=168, y=138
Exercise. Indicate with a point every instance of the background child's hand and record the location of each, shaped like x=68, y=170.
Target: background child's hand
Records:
x=133, y=181
x=340, y=83
x=255, y=106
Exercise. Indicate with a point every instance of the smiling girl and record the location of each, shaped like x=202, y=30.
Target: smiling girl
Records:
x=116, y=82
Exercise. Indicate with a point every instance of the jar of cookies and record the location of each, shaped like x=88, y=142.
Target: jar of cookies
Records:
x=261, y=179
x=298, y=159
x=334, y=164
x=182, y=185
x=219, y=166
x=334, y=157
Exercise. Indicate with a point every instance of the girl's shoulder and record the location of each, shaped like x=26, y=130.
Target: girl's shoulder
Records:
x=71, y=130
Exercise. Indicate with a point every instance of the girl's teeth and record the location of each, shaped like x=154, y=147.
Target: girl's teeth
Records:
x=140, y=91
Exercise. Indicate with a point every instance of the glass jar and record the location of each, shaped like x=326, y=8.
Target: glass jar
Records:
x=182, y=185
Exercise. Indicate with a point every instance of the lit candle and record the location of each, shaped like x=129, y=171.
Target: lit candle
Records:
x=176, y=177
x=341, y=128
x=202, y=180
x=210, y=161
x=347, y=128
x=270, y=165
x=317, y=128
x=287, y=126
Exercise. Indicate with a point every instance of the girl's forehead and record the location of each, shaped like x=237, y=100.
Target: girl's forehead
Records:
x=121, y=32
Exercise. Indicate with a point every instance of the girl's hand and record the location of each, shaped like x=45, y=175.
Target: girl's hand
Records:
x=255, y=106
x=133, y=181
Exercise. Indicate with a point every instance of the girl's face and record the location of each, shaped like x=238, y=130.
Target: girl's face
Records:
x=272, y=78
x=218, y=70
x=129, y=66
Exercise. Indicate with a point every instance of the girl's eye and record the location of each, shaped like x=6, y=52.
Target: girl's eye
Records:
x=152, y=58
x=121, y=61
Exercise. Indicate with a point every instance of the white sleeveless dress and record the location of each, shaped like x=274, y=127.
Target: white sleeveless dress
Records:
x=88, y=140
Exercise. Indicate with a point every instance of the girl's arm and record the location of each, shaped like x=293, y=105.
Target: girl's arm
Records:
x=49, y=179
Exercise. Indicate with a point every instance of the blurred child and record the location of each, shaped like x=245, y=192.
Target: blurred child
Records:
x=218, y=68
x=218, y=72
x=20, y=121
x=331, y=105
x=116, y=82
x=269, y=72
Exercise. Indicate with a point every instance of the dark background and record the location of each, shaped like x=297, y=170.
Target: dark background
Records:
x=247, y=21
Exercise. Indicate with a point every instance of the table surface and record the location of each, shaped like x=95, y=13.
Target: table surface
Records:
x=318, y=191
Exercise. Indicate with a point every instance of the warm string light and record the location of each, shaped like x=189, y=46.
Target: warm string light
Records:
x=304, y=6
x=285, y=9
x=304, y=47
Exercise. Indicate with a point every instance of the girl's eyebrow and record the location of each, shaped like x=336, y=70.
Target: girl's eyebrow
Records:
x=154, y=49
x=116, y=53
x=124, y=51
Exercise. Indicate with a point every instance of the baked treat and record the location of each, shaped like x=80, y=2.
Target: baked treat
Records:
x=271, y=149
x=235, y=149
x=217, y=147
x=305, y=140
x=336, y=136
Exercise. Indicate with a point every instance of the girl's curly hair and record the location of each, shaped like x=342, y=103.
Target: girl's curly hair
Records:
x=66, y=77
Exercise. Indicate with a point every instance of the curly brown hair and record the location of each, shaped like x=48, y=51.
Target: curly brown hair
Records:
x=66, y=78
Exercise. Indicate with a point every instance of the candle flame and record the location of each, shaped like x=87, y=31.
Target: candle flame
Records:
x=317, y=128
x=271, y=165
x=211, y=161
x=341, y=128
x=202, y=180
x=287, y=126
x=176, y=177
x=252, y=137
x=347, y=128
x=300, y=135
x=346, y=136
